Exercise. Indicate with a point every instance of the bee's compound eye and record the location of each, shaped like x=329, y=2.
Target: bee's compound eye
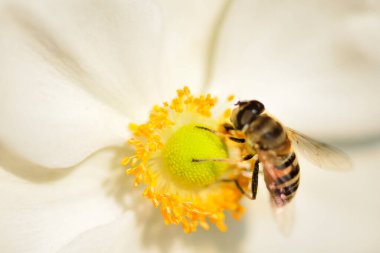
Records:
x=256, y=107
x=247, y=112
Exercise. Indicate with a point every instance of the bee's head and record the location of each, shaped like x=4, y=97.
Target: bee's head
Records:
x=245, y=113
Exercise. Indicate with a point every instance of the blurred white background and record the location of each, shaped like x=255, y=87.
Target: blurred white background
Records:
x=314, y=64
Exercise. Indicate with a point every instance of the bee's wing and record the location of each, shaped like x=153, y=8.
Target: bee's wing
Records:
x=284, y=217
x=320, y=154
x=282, y=207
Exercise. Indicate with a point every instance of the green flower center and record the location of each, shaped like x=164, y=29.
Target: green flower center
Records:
x=189, y=156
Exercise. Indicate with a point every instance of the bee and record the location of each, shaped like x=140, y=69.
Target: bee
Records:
x=275, y=145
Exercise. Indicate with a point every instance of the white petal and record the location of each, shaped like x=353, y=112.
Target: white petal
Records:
x=315, y=64
x=127, y=52
x=48, y=120
x=111, y=49
x=65, y=64
x=54, y=94
x=42, y=210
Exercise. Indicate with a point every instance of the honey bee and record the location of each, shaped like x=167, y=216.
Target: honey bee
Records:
x=275, y=146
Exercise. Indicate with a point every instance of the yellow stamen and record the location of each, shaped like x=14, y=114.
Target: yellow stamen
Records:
x=230, y=98
x=190, y=204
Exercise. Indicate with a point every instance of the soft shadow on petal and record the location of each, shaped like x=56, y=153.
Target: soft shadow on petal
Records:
x=145, y=231
x=314, y=64
x=115, y=237
x=213, y=45
x=117, y=185
x=156, y=235
x=189, y=31
x=42, y=215
x=26, y=170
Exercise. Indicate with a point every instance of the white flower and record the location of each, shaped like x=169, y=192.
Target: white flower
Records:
x=73, y=74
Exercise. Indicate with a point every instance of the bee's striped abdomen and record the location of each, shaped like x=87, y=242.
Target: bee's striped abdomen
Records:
x=287, y=182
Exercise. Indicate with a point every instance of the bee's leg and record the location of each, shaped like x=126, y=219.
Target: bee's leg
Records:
x=247, y=167
x=254, y=182
x=240, y=188
x=250, y=196
x=238, y=140
x=255, y=179
x=228, y=127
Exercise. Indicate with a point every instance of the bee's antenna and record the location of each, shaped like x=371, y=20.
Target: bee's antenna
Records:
x=211, y=160
x=238, y=140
